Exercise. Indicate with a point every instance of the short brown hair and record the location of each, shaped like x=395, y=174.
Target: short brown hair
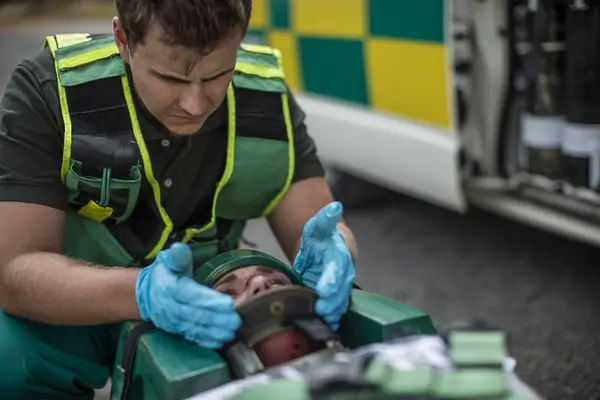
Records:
x=200, y=25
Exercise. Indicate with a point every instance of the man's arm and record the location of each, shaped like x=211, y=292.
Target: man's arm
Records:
x=308, y=193
x=36, y=282
x=302, y=201
x=39, y=284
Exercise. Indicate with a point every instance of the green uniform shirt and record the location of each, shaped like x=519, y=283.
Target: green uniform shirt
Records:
x=188, y=168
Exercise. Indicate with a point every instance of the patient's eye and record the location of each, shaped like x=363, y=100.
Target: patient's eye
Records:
x=276, y=280
x=226, y=290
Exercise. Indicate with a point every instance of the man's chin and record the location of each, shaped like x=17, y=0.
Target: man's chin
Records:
x=184, y=131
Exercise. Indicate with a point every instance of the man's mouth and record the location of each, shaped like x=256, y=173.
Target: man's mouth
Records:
x=188, y=119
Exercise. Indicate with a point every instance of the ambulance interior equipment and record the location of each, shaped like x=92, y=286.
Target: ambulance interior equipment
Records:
x=537, y=110
x=524, y=103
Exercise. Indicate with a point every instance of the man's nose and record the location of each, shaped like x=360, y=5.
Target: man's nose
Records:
x=257, y=284
x=192, y=100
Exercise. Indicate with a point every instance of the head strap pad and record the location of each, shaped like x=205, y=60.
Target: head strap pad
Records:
x=217, y=267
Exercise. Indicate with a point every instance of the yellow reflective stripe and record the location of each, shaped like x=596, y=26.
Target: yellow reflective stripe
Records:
x=259, y=70
x=64, y=108
x=265, y=72
x=69, y=39
x=291, y=155
x=190, y=233
x=257, y=48
x=290, y=135
x=89, y=57
x=139, y=138
x=277, y=55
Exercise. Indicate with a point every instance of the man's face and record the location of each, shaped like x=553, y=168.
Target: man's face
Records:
x=179, y=88
x=244, y=283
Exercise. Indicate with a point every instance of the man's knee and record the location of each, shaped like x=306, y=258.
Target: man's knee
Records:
x=43, y=361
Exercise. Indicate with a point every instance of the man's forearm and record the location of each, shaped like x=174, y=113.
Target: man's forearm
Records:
x=54, y=289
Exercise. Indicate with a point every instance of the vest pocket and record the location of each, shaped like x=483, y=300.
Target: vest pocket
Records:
x=102, y=197
x=92, y=241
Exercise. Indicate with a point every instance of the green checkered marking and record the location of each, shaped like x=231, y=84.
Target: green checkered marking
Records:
x=280, y=13
x=334, y=67
x=421, y=20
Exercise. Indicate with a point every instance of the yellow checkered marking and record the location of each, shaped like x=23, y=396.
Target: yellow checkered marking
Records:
x=337, y=18
x=288, y=45
x=396, y=83
x=389, y=55
x=260, y=14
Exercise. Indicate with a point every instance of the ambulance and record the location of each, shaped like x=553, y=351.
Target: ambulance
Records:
x=461, y=103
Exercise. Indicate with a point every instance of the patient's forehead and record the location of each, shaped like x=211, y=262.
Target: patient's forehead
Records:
x=241, y=274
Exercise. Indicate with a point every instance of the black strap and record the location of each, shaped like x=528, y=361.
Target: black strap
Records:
x=128, y=357
x=313, y=327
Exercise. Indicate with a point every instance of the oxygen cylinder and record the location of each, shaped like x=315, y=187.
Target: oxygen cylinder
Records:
x=581, y=142
x=542, y=123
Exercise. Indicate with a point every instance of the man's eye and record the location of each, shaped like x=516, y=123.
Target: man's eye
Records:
x=173, y=80
x=216, y=78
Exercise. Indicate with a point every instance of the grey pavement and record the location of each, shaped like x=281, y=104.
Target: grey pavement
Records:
x=541, y=289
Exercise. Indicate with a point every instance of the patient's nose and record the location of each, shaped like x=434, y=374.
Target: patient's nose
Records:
x=257, y=284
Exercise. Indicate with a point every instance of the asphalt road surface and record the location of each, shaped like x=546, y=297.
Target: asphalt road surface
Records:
x=543, y=290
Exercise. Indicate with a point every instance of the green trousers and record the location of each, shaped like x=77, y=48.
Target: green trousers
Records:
x=40, y=361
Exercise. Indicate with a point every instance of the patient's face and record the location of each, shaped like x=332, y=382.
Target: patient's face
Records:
x=244, y=283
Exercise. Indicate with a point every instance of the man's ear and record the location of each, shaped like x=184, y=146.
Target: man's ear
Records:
x=121, y=39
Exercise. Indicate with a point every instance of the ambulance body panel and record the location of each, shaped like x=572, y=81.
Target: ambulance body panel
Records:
x=457, y=102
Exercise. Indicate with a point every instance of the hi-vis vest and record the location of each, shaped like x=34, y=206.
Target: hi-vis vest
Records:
x=105, y=158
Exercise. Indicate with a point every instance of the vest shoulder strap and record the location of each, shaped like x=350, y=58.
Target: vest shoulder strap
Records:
x=264, y=135
x=101, y=160
x=259, y=68
x=93, y=91
x=84, y=58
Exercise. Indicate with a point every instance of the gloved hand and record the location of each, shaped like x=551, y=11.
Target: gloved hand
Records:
x=325, y=264
x=168, y=296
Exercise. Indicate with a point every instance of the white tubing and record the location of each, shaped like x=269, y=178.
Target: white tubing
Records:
x=540, y=132
x=583, y=141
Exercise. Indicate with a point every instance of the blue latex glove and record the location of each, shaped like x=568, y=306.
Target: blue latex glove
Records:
x=325, y=264
x=168, y=296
